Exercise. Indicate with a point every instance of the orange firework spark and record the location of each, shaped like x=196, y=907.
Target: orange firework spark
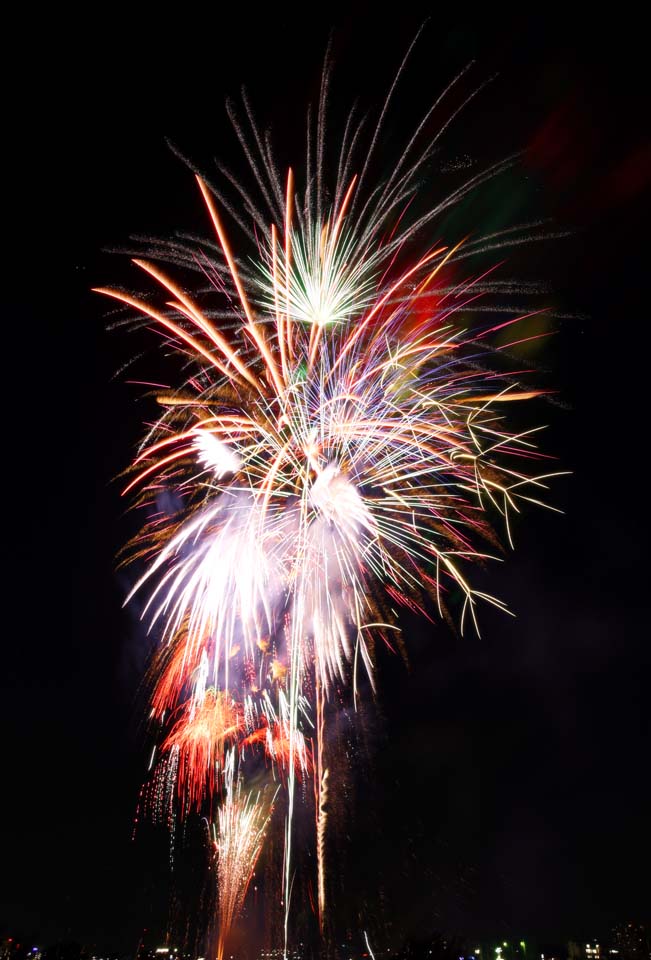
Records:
x=199, y=738
x=172, y=671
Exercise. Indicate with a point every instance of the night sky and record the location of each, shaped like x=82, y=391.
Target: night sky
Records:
x=508, y=788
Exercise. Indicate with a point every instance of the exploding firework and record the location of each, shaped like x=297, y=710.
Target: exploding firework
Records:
x=338, y=442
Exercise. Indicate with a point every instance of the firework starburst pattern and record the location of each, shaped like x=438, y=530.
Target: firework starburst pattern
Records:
x=338, y=446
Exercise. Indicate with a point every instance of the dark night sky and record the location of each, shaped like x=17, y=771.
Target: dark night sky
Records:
x=509, y=791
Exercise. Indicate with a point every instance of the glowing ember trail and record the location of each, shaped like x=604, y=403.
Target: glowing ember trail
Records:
x=241, y=825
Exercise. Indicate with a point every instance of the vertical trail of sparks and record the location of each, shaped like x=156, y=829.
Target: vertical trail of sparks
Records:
x=335, y=450
x=238, y=838
x=288, y=250
x=322, y=818
x=320, y=839
x=321, y=797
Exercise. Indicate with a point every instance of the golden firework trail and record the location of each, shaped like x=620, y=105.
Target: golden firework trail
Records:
x=238, y=837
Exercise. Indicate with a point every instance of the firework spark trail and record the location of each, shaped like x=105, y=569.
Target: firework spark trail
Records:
x=322, y=817
x=242, y=821
x=341, y=431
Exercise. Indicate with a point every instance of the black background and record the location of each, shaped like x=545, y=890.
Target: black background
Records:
x=509, y=794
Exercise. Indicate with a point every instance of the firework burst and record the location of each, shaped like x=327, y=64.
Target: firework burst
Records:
x=338, y=444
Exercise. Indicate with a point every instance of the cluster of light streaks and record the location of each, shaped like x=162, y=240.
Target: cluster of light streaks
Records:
x=238, y=837
x=337, y=445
